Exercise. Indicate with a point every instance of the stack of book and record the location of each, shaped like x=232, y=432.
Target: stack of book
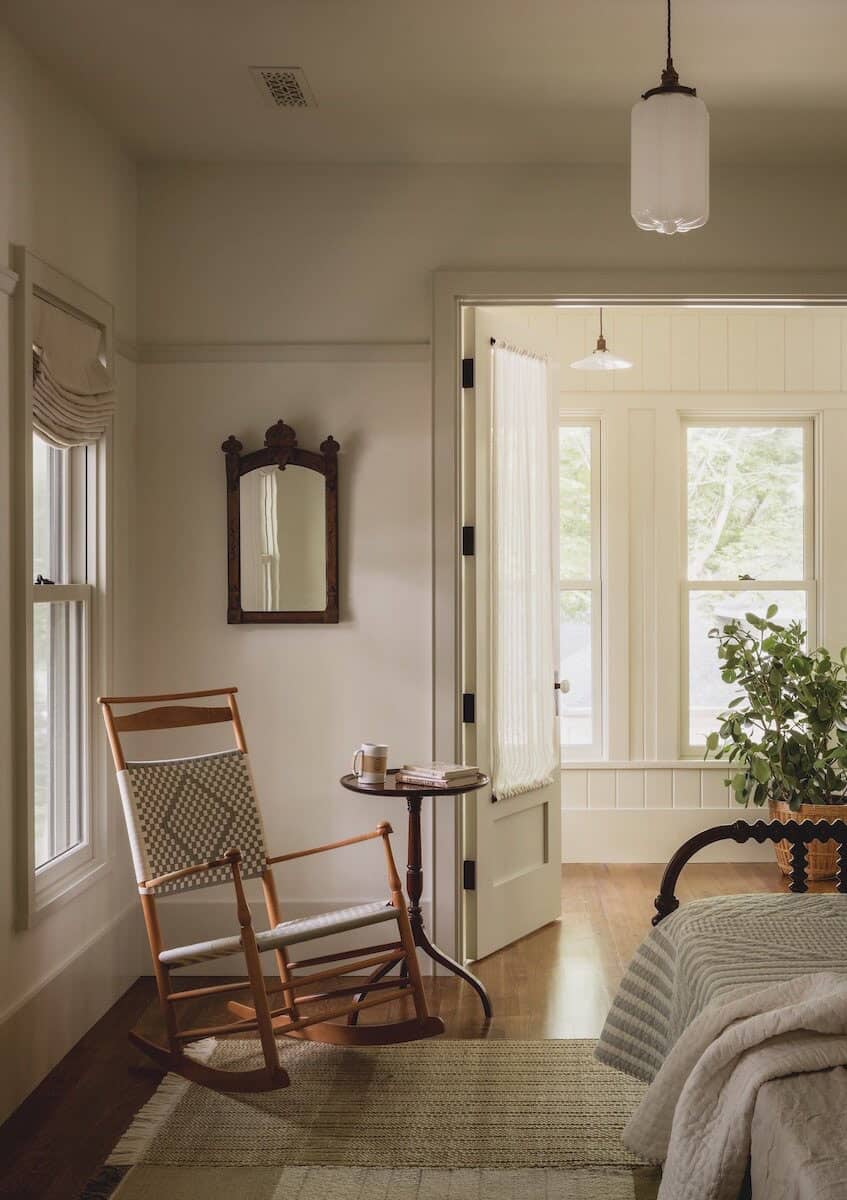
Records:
x=438, y=774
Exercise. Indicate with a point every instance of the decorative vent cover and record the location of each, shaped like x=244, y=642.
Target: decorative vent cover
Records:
x=284, y=87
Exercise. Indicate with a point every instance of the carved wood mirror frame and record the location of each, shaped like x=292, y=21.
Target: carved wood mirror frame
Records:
x=280, y=449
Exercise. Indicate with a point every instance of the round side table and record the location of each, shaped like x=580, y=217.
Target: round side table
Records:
x=413, y=794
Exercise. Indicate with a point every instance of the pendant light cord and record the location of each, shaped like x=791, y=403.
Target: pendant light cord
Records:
x=670, y=59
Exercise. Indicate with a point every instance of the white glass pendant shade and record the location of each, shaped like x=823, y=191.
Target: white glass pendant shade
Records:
x=669, y=169
x=601, y=360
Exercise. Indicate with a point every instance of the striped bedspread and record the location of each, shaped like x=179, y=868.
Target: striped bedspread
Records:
x=707, y=950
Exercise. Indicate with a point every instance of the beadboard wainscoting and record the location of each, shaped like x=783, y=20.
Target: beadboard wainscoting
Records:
x=641, y=812
x=653, y=785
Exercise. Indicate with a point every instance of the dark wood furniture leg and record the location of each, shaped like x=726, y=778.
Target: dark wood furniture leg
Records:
x=414, y=890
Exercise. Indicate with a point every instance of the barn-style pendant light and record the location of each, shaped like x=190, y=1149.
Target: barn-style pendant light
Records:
x=669, y=168
x=601, y=359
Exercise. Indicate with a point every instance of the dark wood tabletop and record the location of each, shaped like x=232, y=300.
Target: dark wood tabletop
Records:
x=393, y=787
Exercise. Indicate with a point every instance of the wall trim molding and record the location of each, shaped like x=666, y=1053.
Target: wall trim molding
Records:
x=69, y=960
x=80, y=989
x=314, y=352
x=126, y=348
x=8, y=281
x=646, y=764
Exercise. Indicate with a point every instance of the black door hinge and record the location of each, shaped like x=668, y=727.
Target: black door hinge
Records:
x=469, y=875
x=468, y=541
x=468, y=708
x=467, y=373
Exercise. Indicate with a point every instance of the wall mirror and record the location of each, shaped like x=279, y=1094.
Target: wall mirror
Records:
x=282, y=531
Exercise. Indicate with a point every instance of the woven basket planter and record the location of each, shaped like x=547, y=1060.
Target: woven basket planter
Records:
x=821, y=855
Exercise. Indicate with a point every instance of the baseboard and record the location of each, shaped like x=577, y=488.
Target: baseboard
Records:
x=651, y=835
x=40, y=1029
x=185, y=920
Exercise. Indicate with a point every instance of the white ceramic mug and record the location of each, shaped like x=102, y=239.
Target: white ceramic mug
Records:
x=370, y=762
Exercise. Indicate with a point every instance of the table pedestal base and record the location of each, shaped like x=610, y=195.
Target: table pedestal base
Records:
x=414, y=889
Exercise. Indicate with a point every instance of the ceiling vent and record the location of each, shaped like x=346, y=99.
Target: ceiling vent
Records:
x=284, y=87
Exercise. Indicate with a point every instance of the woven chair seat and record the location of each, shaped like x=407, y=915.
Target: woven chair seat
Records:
x=287, y=933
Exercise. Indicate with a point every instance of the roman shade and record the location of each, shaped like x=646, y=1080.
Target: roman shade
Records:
x=72, y=396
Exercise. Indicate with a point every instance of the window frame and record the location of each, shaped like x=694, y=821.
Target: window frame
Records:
x=810, y=582
x=40, y=890
x=594, y=585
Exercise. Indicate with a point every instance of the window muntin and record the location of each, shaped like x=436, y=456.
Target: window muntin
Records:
x=62, y=507
x=749, y=510
x=580, y=589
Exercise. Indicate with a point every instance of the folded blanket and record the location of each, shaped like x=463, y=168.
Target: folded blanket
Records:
x=697, y=1112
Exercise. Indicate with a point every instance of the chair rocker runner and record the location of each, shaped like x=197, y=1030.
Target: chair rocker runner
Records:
x=195, y=822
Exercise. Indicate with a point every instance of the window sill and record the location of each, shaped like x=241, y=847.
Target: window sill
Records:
x=675, y=764
x=53, y=889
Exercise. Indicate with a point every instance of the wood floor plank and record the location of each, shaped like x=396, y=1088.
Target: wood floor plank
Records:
x=558, y=982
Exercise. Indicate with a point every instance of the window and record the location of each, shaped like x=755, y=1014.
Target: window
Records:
x=580, y=590
x=62, y=509
x=749, y=544
x=64, y=404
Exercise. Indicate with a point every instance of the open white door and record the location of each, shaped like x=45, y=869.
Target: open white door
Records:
x=510, y=618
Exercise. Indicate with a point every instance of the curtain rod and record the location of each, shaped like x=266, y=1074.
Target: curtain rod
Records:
x=517, y=350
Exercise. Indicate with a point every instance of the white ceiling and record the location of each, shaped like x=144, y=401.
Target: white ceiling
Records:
x=446, y=80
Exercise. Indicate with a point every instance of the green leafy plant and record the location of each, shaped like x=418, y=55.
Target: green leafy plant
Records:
x=786, y=732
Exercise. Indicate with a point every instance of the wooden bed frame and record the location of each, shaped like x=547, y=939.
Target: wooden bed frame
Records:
x=798, y=833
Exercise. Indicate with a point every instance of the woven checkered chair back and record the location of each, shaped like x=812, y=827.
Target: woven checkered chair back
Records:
x=183, y=811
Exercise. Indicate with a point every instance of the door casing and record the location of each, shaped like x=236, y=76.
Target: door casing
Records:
x=453, y=291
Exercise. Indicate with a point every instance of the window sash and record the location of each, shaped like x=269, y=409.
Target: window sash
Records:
x=808, y=584
x=594, y=586
x=67, y=819
x=67, y=844
x=807, y=424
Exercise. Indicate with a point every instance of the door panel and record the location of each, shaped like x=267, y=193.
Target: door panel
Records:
x=516, y=841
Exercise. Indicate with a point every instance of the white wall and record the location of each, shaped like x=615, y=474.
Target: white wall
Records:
x=322, y=254
x=67, y=193
x=240, y=266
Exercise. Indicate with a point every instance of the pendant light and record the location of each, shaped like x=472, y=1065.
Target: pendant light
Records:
x=601, y=359
x=669, y=166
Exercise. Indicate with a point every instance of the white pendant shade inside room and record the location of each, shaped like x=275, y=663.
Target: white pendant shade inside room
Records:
x=669, y=165
x=601, y=359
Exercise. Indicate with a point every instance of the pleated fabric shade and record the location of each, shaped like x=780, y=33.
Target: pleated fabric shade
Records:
x=72, y=387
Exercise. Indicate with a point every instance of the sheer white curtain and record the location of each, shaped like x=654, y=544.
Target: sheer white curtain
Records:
x=72, y=397
x=522, y=509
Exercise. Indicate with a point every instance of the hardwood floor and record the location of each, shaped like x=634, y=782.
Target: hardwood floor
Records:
x=556, y=983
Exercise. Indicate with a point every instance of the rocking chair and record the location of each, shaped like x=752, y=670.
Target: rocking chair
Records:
x=194, y=822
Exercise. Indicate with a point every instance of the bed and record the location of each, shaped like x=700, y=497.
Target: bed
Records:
x=709, y=950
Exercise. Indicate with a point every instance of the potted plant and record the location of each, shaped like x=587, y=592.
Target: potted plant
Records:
x=786, y=731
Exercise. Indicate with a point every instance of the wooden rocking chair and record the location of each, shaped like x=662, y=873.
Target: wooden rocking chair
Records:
x=194, y=822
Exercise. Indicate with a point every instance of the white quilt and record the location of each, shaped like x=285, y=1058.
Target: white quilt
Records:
x=696, y=1116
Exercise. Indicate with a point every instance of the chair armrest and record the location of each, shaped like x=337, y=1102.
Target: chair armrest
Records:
x=381, y=830
x=229, y=859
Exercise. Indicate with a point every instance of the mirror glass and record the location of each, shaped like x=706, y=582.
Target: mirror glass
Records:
x=283, y=541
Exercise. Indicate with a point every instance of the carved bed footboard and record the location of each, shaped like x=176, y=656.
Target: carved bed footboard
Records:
x=798, y=833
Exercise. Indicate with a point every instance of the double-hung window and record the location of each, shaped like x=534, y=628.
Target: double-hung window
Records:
x=580, y=590
x=64, y=407
x=748, y=545
x=63, y=543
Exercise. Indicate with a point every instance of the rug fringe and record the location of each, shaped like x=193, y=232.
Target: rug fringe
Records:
x=149, y=1120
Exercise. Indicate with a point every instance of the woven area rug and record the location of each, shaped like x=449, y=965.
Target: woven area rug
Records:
x=459, y=1120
